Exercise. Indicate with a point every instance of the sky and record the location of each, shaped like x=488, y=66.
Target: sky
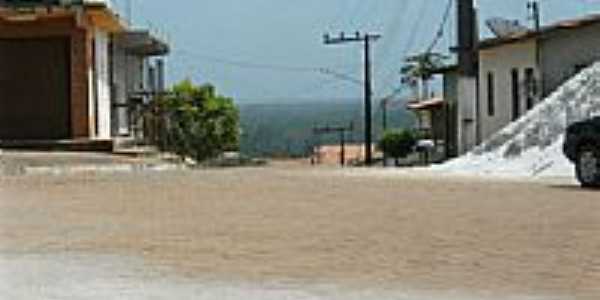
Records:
x=272, y=50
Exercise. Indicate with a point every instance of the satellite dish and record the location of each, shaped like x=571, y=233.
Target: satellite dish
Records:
x=503, y=27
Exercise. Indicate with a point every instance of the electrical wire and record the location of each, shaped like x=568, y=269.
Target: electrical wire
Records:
x=440, y=33
x=249, y=65
x=411, y=40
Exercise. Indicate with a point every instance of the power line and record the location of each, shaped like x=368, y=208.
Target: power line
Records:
x=392, y=33
x=281, y=68
x=251, y=65
x=440, y=33
x=411, y=39
x=341, y=76
x=334, y=77
x=290, y=101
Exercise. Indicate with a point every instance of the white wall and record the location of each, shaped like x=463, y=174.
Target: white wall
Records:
x=467, y=116
x=562, y=51
x=500, y=61
x=102, y=41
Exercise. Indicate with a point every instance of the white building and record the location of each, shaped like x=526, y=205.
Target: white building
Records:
x=515, y=73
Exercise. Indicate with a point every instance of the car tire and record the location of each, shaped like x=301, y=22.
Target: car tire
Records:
x=588, y=166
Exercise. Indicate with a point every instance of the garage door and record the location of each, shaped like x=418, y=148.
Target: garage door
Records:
x=34, y=89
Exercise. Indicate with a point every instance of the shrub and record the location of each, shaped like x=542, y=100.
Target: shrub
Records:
x=398, y=144
x=198, y=123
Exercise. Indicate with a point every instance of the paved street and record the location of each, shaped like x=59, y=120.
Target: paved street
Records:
x=357, y=230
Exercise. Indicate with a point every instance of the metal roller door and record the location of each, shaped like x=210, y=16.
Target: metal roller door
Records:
x=34, y=89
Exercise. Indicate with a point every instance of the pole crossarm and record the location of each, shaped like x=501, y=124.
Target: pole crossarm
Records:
x=329, y=129
x=343, y=38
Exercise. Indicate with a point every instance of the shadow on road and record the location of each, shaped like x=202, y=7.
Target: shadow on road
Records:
x=574, y=188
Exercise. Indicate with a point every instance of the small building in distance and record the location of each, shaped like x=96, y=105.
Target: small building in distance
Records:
x=332, y=154
x=432, y=124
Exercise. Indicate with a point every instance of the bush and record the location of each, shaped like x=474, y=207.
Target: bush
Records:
x=398, y=144
x=198, y=123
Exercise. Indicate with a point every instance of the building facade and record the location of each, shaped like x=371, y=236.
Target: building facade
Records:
x=505, y=75
x=514, y=73
x=518, y=71
x=69, y=72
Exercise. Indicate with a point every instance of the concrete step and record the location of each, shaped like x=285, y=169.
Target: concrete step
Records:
x=75, y=145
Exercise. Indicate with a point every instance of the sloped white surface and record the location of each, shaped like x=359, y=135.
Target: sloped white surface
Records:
x=532, y=145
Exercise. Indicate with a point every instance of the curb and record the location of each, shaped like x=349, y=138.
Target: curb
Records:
x=6, y=170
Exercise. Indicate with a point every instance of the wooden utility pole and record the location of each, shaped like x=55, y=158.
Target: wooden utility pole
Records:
x=534, y=8
x=384, y=123
x=366, y=39
x=534, y=14
x=469, y=134
x=467, y=38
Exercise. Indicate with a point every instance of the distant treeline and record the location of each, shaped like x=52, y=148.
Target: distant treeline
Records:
x=285, y=130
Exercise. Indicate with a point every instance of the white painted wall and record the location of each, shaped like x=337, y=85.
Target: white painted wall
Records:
x=467, y=102
x=103, y=92
x=500, y=61
x=562, y=51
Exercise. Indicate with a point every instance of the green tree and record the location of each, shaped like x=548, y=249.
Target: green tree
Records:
x=398, y=143
x=419, y=70
x=199, y=123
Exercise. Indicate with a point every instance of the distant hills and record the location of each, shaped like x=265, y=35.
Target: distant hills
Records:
x=286, y=129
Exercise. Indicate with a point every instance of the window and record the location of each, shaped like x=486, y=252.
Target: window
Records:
x=516, y=97
x=491, y=89
x=531, y=87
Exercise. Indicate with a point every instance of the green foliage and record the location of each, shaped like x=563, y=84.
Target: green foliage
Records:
x=422, y=66
x=198, y=122
x=399, y=143
x=284, y=129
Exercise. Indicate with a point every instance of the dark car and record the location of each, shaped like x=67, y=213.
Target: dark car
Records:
x=582, y=147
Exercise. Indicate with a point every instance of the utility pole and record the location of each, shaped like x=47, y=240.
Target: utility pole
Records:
x=366, y=39
x=468, y=71
x=467, y=38
x=384, y=123
x=534, y=14
x=342, y=132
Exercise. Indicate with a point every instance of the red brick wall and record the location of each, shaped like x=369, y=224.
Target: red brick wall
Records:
x=61, y=26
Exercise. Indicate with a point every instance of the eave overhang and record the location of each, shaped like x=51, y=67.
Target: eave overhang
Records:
x=143, y=43
x=426, y=104
x=102, y=17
